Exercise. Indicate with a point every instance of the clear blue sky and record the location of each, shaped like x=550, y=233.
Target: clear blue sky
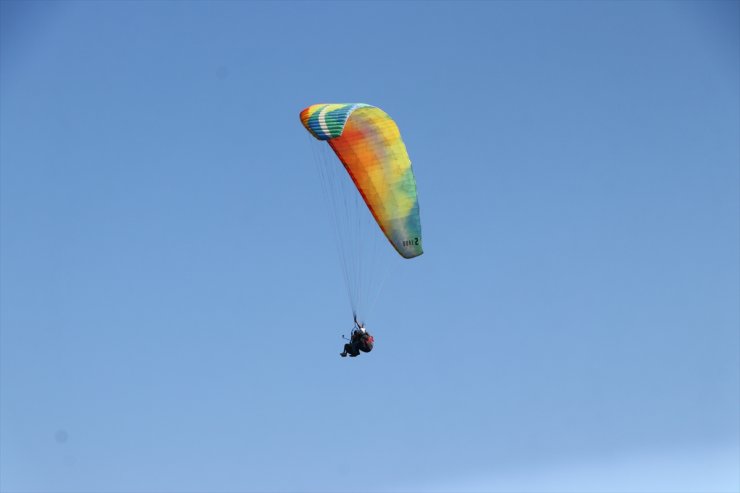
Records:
x=171, y=300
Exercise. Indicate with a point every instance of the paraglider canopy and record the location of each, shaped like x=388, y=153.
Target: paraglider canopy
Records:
x=368, y=143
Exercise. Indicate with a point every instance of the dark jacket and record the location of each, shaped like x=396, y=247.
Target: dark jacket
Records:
x=363, y=341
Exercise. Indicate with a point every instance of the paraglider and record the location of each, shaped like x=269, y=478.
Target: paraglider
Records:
x=371, y=189
x=360, y=340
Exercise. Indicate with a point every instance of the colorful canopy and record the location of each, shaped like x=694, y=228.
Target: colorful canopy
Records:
x=367, y=141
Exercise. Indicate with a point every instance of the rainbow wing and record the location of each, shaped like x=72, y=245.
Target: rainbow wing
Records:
x=367, y=141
